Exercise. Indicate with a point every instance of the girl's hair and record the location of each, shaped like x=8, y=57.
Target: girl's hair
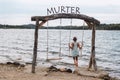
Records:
x=74, y=39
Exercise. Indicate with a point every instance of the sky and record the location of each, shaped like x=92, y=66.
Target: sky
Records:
x=17, y=12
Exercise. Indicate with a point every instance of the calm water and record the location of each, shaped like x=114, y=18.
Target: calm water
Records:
x=18, y=44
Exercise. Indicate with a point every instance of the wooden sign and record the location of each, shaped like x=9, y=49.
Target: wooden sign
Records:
x=63, y=9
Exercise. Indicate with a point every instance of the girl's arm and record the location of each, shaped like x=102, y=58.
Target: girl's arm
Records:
x=79, y=45
x=71, y=45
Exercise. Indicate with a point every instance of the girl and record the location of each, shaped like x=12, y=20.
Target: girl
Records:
x=75, y=46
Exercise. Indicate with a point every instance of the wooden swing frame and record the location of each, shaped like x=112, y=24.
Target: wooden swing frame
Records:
x=90, y=21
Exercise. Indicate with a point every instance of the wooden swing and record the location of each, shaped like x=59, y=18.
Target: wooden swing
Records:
x=90, y=21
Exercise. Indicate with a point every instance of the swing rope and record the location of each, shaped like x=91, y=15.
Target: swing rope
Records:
x=47, y=39
x=60, y=37
x=70, y=36
x=82, y=39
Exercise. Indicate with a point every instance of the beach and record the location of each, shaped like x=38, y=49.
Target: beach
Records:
x=15, y=72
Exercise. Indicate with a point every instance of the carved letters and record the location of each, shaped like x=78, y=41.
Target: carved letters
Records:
x=63, y=9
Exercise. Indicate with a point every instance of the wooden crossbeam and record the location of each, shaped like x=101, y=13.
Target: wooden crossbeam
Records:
x=66, y=15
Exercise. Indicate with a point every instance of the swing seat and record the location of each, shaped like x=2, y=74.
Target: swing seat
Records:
x=70, y=56
x=54, y=59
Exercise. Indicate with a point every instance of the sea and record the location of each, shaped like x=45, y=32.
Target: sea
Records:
x=17, y=45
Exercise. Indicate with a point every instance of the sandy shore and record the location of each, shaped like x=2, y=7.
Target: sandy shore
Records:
x=12, y=72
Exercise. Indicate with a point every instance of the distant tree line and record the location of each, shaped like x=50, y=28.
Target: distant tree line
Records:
x=28, y=26
x=31, y=26
x=108, y=27
x=67, y=27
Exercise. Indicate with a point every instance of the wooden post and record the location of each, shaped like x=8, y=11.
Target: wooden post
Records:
x=93, y=48
x=92, y=61
x=35, y=46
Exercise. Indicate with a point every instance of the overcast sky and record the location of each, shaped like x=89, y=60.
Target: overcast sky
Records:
x=20, y=11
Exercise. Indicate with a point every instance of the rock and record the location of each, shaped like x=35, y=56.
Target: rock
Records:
x=52, y=68
x=69, y=70
x=106, y=78
x=17, y=64
x=62, y=69
x=103, y=75
x=9, y=63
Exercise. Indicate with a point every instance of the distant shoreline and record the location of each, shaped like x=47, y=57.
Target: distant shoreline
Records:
x=32, y=26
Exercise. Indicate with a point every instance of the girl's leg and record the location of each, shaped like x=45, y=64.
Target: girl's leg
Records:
x=76, y=61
